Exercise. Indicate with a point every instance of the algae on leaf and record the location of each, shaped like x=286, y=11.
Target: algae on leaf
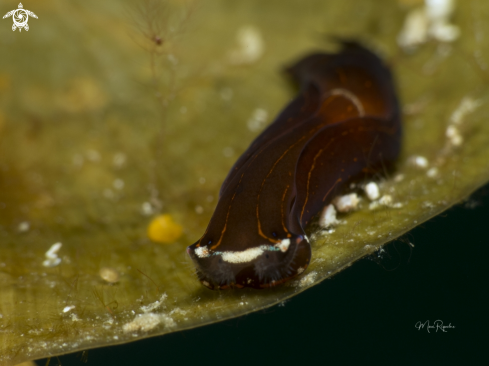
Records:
x=98, y=134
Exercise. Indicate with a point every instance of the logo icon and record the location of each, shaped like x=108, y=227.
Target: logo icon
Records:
x=20, y=17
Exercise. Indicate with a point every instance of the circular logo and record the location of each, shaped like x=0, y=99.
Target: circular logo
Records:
x=20, y=18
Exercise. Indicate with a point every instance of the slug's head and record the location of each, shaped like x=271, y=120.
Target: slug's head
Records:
x=262, y=266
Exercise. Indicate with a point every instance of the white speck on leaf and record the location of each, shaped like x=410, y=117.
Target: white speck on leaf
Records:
x=51, y=255
x=430, y=21
x=418, y=161
x=308, y=279
x=327, y=218
x=372, y=191
x=68, y=308
x=155, y=305
x=146, y=322
x=346, y=203
x=257, y=120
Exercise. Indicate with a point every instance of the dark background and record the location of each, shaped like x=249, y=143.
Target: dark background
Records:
x=366, y=314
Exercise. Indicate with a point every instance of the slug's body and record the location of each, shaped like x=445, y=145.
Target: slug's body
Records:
x=344, y=126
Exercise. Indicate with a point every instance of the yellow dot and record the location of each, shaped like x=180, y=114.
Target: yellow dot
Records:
x=162, y=229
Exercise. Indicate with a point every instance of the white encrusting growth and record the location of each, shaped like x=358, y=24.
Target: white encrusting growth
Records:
x=385, y=200
x=452, y=133
x=346, y=203
x=308, y=279
x=439, y=12
x=202, y=252
x=148, y=321
x=51, y=255
x=155, y=305
x=372, y=191
x=418, y=161
x=466, y=106
x=431, y=21
x=414, y=31
x=328, y=217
